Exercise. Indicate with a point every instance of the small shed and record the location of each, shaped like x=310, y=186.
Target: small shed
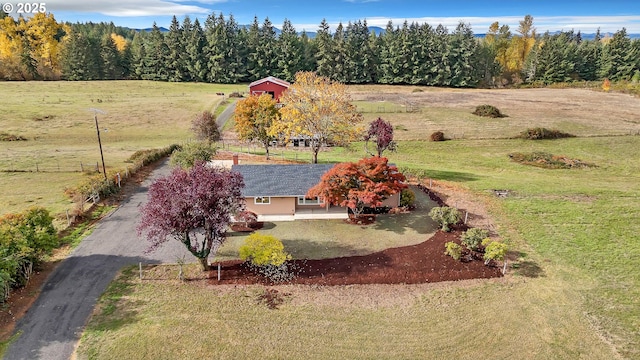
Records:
x=270, y=85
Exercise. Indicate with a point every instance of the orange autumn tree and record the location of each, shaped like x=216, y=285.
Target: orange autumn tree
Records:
x=357, y=185
x=254, y=117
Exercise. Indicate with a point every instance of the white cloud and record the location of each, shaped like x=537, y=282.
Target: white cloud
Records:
x=129, y=8
x=586, y=24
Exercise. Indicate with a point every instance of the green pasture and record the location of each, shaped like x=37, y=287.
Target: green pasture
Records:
x=57, y=119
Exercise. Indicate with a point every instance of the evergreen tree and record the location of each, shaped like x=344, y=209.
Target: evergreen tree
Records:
x=138, y=55
x=588, y=59
x=156, y=54
x=389, y=54
x=111, y=65
x=81, y=58
x=290, y=54
x=325, y=62
x=267, y=50
x=195, y=42
x=176, y=68
x=442, y=68
x=308, y=51
x=253, y=52
x=340, y=67
x=463, y=57
x=615, y=53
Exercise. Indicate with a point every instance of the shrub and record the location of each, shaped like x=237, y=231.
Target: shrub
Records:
x=445, y=216
x=472, y=238
x=205, y=128
x=407, y=198
x=191, y=153
x=262, y=250
x=437, y=136
x=488, y=111
x=25, y=239
x=493, y=250
x=235, y=95
x=543, y=133
x=606, y=85
x=247, y=217
x=452, y=249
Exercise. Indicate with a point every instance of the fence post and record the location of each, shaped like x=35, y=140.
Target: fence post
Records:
x=81, y=168
x=466, y=217
x=37, y=168
x=118, y=177
x=218, y=271
x=68, y=218
x=140, y=269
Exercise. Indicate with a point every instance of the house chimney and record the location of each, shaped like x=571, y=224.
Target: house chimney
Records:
x=235, y=159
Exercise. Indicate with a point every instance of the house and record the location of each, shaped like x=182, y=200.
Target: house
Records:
x=270, y=85
x=277, y=192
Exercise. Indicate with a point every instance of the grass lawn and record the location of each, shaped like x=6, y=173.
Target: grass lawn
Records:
x=317, y=239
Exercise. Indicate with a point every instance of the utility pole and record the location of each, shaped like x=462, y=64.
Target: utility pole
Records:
x=95, y=117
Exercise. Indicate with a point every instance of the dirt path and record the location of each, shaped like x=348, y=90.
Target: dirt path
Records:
x=52, y=326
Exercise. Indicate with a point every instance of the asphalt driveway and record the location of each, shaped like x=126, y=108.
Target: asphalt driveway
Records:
x=52, y=327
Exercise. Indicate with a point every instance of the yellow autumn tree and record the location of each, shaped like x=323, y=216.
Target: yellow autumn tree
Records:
x=319, y=110
x=254, y=117
x=31, y=47
x=120, y=41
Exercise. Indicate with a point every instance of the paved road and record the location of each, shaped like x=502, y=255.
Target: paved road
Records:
x=225, y=115
x=53, y=325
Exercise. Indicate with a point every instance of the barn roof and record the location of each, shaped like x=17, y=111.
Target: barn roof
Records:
x=280, y=180
x=272, y=79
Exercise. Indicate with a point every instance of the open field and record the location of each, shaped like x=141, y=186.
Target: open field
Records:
x=577, y=111
x=58, y=123
x=574, y=286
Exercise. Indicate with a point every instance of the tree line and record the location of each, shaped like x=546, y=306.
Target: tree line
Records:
x=223, y=51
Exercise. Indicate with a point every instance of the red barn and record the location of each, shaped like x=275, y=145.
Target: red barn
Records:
x=270, y=85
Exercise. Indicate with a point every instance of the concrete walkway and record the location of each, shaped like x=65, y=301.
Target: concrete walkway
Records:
x=53, y=325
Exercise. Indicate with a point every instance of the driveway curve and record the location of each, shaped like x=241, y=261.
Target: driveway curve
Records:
x=53, y=325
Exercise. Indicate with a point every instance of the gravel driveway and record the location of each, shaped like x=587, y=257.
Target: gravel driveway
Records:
x=53, y=325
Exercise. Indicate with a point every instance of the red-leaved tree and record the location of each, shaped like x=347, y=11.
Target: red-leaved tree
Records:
x=380, y=132
x=356, y=185
x=192, y=206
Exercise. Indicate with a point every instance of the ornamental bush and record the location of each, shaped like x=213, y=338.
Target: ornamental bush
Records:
x=452, y=249
x=494, y=250
x=445, y=216
x=473, y=237
x=261, y=250
x=407, y=198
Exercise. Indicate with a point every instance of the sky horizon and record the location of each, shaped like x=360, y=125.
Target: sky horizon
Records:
x=548, y=15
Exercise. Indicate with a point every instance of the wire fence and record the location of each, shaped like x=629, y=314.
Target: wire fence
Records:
x=52, y=166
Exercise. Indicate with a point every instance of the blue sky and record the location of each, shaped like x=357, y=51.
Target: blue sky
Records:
x=585, y=16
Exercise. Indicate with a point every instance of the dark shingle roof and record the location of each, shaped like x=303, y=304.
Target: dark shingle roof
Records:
x=280, y=180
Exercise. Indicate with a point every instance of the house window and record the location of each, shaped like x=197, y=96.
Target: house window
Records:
x=262, y=200
x=310, y=201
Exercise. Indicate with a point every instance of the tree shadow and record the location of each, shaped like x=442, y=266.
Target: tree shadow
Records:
x=451, y=175
x=416, y=220
x=308, y=249
x=528, y=268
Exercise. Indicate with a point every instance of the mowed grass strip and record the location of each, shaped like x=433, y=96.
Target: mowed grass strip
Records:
x=166, y=319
